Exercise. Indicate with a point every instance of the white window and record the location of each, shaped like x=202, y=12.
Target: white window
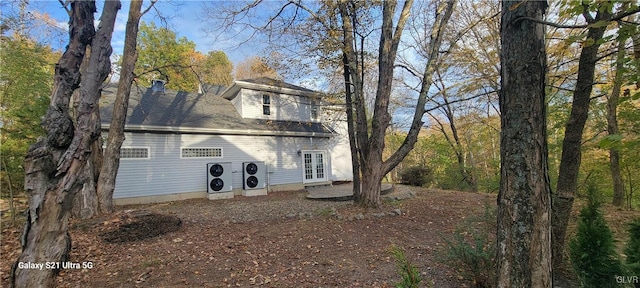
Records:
x=134, y=153
x=207, y=152
x=266, y=104
x=314, y=111
x=314, y=166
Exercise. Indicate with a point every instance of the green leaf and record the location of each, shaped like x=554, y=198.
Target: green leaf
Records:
x=610, y=141
x=599, y=24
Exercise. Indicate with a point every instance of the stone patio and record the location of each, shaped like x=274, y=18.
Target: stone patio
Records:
x=341, y=192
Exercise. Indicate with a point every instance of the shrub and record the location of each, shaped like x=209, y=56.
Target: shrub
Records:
x=632, y=250
x=418, y=175
x=409, y=273
x=592, y=250
x=453, y=178
x=471, y=249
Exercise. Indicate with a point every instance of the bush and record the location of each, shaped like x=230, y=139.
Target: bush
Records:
x=418, y=175
x=592, y=250
x=409, y=273
x=471, y=249
x=453, y=178
x=632, y=250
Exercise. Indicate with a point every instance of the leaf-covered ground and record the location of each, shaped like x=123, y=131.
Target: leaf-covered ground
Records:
x=279, y=240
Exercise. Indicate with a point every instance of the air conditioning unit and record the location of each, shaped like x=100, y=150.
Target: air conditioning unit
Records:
x=219, y=177
x=254, y=174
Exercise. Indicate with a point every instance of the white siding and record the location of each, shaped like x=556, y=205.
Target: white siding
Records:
x=283, y=106
x=338, y=146
x=166, y=173
x=237, y=102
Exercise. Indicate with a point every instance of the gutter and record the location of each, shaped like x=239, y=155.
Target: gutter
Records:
x=217, y=131
x=232, y=91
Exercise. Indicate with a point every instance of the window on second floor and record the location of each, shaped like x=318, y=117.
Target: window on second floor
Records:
x=314, y=111
x=266, y=105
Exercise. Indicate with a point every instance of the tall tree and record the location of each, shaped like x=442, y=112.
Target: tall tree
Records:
x=213, y=68
x=612, y=120
x=25, y=83
x=53, y=165
x=107, y=181
x=163, y=56
x=524, y=200
x=369, y=139
x=571, y=146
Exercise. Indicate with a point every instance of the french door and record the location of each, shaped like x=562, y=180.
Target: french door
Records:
x=315, y=166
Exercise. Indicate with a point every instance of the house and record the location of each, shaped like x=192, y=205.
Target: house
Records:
x=254, y=137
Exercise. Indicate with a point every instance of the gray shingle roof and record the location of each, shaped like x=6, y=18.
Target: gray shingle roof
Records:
x=185, y=112
x=276, y=83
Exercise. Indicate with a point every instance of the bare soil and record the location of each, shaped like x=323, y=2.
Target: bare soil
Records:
x=279, y=240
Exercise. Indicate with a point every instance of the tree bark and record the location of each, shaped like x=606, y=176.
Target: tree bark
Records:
x=571, y=146
x=612, y=124
x=355, y=164
x=109, y=169
x=53, y=165
x=635, y=41
x=524, y=203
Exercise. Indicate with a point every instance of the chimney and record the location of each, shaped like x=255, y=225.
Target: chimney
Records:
x=157, y=85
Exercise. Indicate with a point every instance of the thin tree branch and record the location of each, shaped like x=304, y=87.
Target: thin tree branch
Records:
x=587, y=16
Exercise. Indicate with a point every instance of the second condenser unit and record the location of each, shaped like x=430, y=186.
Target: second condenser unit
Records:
x=253, y=175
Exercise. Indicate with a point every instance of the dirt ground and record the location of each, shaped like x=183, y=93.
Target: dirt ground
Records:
x=279, y=240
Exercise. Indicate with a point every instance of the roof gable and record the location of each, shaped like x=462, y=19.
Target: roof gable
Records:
x=267, y=85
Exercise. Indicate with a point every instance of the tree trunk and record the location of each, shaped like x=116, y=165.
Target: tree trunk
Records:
x=109, y=169
x=635, y=40
x=612, y=125
x=571, y=146
x=524, y=203
x=53, y=165
x=370, y=140
x=85, y=203
x=355, y=165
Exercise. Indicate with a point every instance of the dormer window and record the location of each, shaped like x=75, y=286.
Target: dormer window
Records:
x=266, y=105
x=314, y=111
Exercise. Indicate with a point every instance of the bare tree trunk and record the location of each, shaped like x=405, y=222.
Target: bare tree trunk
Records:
x=370, y=140
x=85, y=203
x=524, y=201
x=355, y=164
x=569, y=169
x=635, y=37
x=456, y=144
x=109, y=169
x=53, y=165
x=612, y=125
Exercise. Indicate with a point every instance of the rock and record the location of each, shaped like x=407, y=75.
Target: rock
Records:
x=359, y=216
x=397, y=211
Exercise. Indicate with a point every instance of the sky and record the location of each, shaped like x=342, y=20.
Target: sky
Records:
x=183, y=17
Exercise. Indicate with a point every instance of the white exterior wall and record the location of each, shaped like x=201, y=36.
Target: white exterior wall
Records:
x=237, y=102
x=165, y=172
x=338, y=146
x=283, y=106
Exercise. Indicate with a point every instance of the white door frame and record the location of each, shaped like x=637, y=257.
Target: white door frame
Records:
x=314, y=166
